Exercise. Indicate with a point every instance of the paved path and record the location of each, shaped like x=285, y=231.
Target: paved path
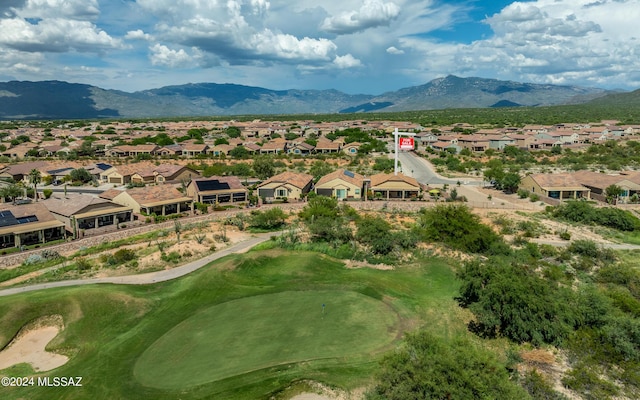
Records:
x=151, y=277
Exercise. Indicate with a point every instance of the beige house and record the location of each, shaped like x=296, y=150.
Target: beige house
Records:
x=28, y=224
x=394, y=187
x=164, y=173
x=341, y=184
x=289, y=185
x=556, y=186
x=628, y=181
x=218, y=189
x=79, y=211
x=159, y=200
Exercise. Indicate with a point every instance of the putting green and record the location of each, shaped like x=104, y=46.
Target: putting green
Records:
x=257, y=332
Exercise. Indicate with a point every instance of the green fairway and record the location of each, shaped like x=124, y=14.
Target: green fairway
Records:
x=246, y=327
x=262, y=331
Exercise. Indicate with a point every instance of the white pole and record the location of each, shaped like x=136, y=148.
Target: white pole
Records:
x=395, y=141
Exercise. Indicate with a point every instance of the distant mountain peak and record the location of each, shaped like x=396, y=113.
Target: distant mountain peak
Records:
x=63, y=100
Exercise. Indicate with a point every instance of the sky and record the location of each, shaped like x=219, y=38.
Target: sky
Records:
x=355, y=46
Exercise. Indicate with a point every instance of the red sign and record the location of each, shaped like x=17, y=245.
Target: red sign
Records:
x=406, y=143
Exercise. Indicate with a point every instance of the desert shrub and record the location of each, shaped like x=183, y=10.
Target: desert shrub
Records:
x=271, y=219
x=172, y=257
x=119, y=257
x=82, y=264
x=49, y=254
x=511, y=301
x=583, y=212
x=33, y=259
x=539, y=388
x=456, y=226
x=428, y=367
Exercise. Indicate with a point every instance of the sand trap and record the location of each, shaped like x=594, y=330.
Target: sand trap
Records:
x=28, y=347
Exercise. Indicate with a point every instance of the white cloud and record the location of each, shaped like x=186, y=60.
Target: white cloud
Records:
x=346, y=61
x=373, y=13
x=138, y=34
x=164, y=56
x=74, y=9
x=394, y=50
x=54, y=35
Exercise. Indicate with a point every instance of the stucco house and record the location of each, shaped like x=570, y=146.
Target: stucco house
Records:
x=289, y=185
x=394, y=187
x=559, y=186
x=341, y=184
x=217, y=189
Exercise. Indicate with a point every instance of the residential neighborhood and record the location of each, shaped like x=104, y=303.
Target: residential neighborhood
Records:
x=127, y=179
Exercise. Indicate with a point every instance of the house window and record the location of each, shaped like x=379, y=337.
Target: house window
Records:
x=281, y=193
x=357, y=191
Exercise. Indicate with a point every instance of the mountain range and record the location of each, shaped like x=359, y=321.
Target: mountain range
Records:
x=63, y=100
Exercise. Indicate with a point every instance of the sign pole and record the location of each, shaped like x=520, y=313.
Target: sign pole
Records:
x=395, y=150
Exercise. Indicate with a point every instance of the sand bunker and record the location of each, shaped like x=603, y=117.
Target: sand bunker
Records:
x=28, y=347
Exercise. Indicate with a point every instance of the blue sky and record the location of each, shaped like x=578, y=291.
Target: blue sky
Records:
x=357, y=46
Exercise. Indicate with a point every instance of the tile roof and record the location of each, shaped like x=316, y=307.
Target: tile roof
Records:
x=155, y=194
x=347, y=176
x=73, y=204
x=379, y=179
x=298, y=180
x=557, y=180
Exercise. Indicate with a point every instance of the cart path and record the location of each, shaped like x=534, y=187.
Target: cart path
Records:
x=151, y=277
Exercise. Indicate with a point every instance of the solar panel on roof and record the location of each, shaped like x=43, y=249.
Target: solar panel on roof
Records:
x=27, y=219
x=7, y=219
x=103, y=166
x=214, y=184
x=349, y=174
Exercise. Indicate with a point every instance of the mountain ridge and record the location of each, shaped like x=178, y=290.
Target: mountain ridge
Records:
x=64, y=100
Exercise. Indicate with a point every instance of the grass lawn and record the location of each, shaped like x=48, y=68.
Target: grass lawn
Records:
x=246, y=327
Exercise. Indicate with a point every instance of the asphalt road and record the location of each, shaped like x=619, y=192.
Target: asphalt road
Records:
x=423, y=171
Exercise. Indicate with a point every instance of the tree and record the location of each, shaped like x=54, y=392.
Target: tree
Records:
x=320, y=169
x=220, y=141
x=233, y=132
x=376, y=233
x=612, y=192
x=11, y=191
x=510, y=182
x=80, y=175
x=241, y=169
x=325, y=220
x=511, y=300
x=456, y=226
x=428, y=367
x=34, y=178
x=264, y=167
x=239, y=152
x=270, y=219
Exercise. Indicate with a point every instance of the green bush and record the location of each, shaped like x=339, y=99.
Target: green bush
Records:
x=511, y=301
x=583, y=212
x=427, y=367
x=273, y=218
x=457, y=227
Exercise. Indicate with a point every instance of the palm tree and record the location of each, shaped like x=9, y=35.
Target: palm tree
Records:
x=11, y=192
x=35, y=177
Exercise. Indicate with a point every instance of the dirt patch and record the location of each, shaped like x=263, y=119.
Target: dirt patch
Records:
x=323, y=392
x=551, y=366
x=29, y=346
x=353, y=264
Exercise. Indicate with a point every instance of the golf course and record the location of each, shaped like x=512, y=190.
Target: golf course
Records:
x=247, y=326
